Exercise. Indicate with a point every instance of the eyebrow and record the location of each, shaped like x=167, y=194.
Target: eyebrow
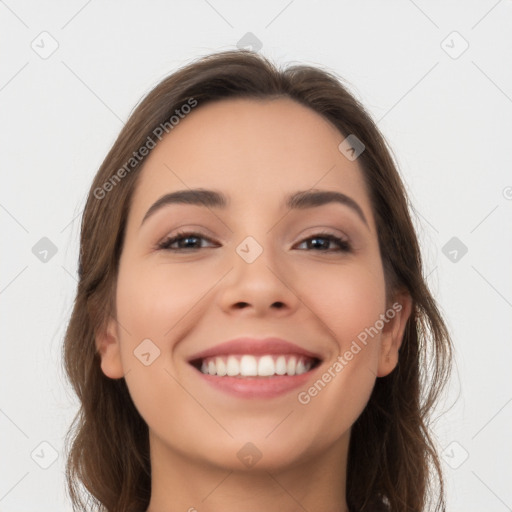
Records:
x=300, y=200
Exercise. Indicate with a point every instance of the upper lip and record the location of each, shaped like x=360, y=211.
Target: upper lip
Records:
x=254, y=346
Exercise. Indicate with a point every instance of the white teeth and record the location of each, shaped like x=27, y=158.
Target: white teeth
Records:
x=290, y=367
x=248, y=366
x=221, y=366
x=301, y=368
x=233, y=368
x=255, y=366
x=266, y=366
x=281, y=365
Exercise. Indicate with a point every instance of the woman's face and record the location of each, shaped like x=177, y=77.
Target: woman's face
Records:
x=272, y=261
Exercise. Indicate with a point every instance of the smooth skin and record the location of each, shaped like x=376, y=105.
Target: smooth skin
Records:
x=302, y=288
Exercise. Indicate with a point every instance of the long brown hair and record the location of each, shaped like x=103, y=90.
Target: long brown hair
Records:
x=392, y=463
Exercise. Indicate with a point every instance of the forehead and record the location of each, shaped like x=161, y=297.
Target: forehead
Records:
x=252, y=150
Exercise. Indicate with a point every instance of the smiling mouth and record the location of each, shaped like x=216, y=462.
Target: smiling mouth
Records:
x=247, y=365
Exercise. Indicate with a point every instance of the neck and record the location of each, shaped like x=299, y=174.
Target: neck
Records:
x=179, y=484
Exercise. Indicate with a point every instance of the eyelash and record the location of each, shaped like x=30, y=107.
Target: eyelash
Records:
x=344, y=245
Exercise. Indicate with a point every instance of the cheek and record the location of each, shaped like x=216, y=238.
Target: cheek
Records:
x=347, y=300
x=348, y=303
x=155, y=302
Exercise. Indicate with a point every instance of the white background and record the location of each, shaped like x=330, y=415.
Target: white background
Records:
x=448, y=120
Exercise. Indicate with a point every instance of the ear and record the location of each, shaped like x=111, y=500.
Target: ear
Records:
x=109, y=349
x=393, y=332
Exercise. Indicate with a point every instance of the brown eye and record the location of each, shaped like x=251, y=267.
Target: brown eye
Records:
x=321, y=242
x=183, y=241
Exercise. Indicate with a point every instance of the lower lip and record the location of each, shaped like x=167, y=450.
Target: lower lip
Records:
x=258, y=387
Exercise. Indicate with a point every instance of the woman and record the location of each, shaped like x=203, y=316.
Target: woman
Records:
x=252, y=329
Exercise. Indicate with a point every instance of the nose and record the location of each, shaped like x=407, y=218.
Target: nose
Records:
x=258, y=288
